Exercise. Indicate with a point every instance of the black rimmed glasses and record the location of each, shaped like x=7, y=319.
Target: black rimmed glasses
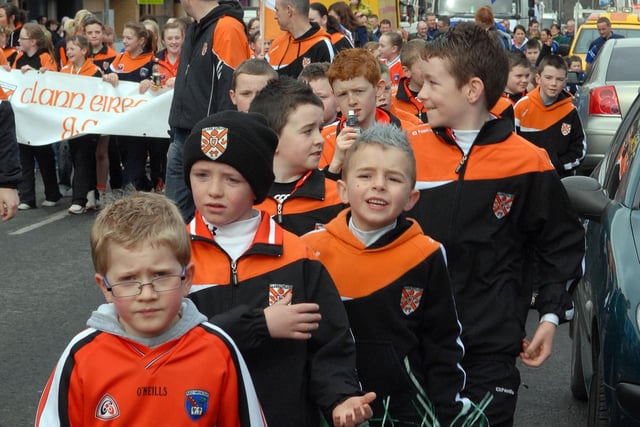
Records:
x=133, y=288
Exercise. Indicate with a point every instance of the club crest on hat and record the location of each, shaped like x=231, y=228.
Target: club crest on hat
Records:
x=196, y=403
x=410, y=299
x=502, y=204
x=107, y=408
x=213, y=141
x=278, y=291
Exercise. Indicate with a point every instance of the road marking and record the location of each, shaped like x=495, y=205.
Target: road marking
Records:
x=49, y=220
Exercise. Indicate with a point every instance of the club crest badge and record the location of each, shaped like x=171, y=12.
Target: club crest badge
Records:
x=107, y=408
x=305, y=61
x=144, y=72
x=205, y=47
x=196, y=403
x=278, y=291
x=565, y=129
x=502, y=204
x=213, y=141
x=410, y=299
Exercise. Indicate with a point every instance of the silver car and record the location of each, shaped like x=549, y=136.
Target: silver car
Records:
x=606, y=95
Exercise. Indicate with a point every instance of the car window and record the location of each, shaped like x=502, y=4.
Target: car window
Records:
x=587, y=35
x=624, y=65
x=622, y=157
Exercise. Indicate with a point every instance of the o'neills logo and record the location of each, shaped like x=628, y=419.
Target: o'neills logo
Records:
x=213, y=142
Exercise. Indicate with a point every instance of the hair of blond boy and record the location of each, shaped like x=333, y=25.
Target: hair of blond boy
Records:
x=139, y=218
x=351, y=63
x=411, y=52
x=471, y=51
x=253, y=67
x=555, y=61
x=280, y=97
x=387, y=136
x=314, y=71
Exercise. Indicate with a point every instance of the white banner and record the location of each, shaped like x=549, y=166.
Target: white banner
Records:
x=52, y=106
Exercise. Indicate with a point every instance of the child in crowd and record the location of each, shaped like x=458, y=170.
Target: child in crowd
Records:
x=148, y=357
x=83, y=148
x=390, y=46
x=517, y=82
x=35, y=55
x=384, y=100
x=497, y=205
x=248, y=79
x=382, y=263
x=575, y=66
x=301, y=198
x=256, y=280
x=532, y=51
x=409, y=85
x=548, y=118
x=315, y=75
x=355, y=78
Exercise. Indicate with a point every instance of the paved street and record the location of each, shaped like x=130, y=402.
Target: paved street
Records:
x=47, y=292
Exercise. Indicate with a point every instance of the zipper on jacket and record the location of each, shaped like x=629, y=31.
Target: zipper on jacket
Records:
x=234, y=273
x=280, y=212
x=462, y=163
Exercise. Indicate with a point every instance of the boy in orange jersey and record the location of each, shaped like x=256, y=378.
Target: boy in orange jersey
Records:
x=315, y=75
x=248, y=79
x=258, y=281
x=384, y=100
x=356, y=81
x=390, y=46
x=301, y=198
x=382, y=263
x=148, y=357
x=497, y=205
x=406, y=96
x=516, y=88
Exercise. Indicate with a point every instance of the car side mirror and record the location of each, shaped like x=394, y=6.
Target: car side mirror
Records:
x=587, y=196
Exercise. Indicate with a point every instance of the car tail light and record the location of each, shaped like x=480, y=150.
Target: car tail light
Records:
x=604, y=100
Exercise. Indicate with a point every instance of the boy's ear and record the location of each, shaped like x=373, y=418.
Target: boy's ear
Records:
x=342, y=191
x=475, y=90
x=406, y=71
x=232, y=95
x=537, y=79
x=188, y=279
x=414, y=196
x=103, y=288
x=380, y=87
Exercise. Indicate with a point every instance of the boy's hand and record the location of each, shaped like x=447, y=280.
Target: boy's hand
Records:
x=111, y=78
x=353, y=411
x=534, y=353
x=295, y=321
x=344, y=140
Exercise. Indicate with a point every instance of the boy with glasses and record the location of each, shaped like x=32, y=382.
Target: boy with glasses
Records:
x=148, y=356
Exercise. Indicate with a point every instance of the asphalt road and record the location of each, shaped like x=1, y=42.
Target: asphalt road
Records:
x=47, y=292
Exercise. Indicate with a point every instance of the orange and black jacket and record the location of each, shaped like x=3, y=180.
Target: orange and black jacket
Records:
x=293, y=378
x=504, y=109
x=331, y=132
x=191, y=375
x=402, y=313
x=40, y=59
x=339, y=41
x=406, y=100
x=88, y=69
x=213, y=48
x=304, y=205
x=495, y=210
x=10, y=171
x=132, y=69
x=103, y=58
x=288, y=55
x=556, y=128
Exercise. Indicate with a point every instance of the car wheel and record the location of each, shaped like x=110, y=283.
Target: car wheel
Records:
x=598, y=416
x=578, y=388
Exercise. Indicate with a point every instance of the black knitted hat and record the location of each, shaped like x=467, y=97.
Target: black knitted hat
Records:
x=241, y=140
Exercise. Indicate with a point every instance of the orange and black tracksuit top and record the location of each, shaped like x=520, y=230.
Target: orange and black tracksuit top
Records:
x=330, y=133
x=305, y=204
x=87, y=69
x=556, y=128
x=132, y=69
x=339, y=41
x=402, y=313
x=504, y=109
x=103, y=58
x=293, y=378
x=191, y=375
x=40, y=59
x=288, y=55
x=213, y=48
x=497, y=210
x=404, y=99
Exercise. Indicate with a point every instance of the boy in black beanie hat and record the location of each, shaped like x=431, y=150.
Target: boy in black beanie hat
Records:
x=257, y=282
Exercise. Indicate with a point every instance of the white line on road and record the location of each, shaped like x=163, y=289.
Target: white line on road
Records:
x=50, y=219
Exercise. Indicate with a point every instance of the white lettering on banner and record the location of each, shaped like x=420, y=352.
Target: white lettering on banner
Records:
x=52, y=106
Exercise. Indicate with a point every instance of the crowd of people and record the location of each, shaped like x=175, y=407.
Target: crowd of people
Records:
x=358, y=201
